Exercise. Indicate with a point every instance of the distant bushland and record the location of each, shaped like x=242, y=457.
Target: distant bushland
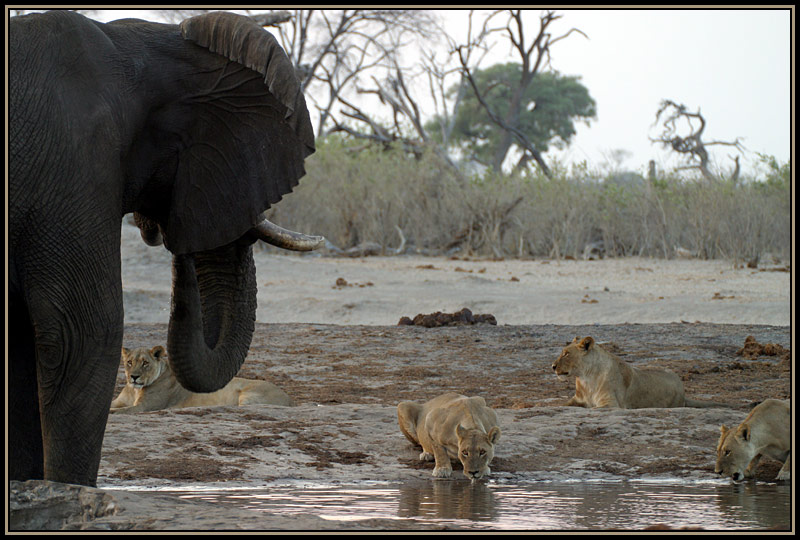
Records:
x=383, y=196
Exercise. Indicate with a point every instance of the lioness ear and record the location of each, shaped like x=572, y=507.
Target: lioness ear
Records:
x=744, y=432
x=722, y=432
x=587, y=343
x=461, y=431
x=158, y=351
x=494, y=435
x=125, y=352
x=577, y=339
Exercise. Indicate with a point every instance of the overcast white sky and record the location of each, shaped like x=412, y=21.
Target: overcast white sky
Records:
x=734, y=65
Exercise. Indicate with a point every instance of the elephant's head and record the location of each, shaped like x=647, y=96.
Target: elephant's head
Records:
x=219, y=132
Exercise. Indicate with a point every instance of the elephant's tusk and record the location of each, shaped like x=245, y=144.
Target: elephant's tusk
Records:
x=286, y=239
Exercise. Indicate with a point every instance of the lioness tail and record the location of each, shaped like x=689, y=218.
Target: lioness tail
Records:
x=706, y=404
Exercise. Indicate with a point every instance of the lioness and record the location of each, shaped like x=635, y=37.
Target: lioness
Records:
x=450, y=427
x=604, y=380
x=151, y=386
x=765, y=432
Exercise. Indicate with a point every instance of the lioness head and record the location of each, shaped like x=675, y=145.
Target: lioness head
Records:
x=476, y=450
x=143, y=366
x=734, y=452
x=572, y=354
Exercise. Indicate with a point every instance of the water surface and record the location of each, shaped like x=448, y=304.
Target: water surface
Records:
x=533, y=506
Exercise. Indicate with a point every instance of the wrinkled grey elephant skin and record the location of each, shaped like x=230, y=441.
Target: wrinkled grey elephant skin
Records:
x=197, y=129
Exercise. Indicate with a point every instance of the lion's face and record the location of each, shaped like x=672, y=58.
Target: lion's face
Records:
x=476, y=450
x=143, y=366
x=571, y=356
x=734, y=452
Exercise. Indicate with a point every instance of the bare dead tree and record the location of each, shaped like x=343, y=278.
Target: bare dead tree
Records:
x=399, y=119
x=691, y=146
x=445, y=106
x=335, y=48
x=352, y=61
x=392, y=92
x=533, y=58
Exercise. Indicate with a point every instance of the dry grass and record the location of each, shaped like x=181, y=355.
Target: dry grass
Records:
x=357, y=197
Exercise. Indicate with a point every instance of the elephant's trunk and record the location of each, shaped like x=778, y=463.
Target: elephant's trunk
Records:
x=149, y=229
x=213, y=315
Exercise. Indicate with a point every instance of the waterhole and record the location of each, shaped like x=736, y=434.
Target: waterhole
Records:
x=537, y=506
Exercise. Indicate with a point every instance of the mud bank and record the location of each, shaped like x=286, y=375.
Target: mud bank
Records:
x=348, y=381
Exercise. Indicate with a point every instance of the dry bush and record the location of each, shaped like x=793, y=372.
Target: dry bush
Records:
x=353, y=197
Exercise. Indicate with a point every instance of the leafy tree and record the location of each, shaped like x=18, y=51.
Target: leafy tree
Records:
x=550, y=106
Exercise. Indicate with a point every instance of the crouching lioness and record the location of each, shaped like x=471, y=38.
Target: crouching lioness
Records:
x=151, y=386
x=451, y=427
x=604, y=380
x=765, y=432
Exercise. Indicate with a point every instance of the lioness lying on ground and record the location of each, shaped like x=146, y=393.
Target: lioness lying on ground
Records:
x=450, y=427
x=765, y=432
x=151, y=386
x=604, y=380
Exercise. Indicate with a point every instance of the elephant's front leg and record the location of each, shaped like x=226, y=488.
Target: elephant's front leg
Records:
x=77, y=316
x=25, y=451
x=76, y=384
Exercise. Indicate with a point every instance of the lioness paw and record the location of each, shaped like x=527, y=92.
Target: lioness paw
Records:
x=426, y=456
x=442, y=472
x=784, y=475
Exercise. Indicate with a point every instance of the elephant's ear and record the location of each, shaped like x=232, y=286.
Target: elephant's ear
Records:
x=240, y=39
x=247, y=145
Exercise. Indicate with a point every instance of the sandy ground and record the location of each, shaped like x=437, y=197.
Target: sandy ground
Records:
x=337, y=349
x=380, y=290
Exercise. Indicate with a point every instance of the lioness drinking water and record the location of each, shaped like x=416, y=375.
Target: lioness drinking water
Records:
x=451, y=427
x=604, y=380
x=765, y=432
x=151, y=386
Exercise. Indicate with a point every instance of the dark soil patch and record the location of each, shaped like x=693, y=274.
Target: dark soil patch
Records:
x=186, y=466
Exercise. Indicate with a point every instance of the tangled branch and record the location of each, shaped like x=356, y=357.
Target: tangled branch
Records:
x=691, y=146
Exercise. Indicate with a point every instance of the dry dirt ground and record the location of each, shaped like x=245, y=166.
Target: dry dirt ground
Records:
x=349, y=379
x=341, y=376
x=326, y=367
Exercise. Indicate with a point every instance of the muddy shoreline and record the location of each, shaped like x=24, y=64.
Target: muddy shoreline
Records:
x=349, y=379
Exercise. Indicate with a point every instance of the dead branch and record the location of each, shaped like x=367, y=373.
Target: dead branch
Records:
x=692, y=145
x=521, y=138
x=533, y=57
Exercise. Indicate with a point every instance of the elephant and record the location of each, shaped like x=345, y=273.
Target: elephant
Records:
x=196, y=129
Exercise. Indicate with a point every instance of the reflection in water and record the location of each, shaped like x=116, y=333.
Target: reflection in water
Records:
x=447, y=499
x=746, y=501
x=534, y=506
